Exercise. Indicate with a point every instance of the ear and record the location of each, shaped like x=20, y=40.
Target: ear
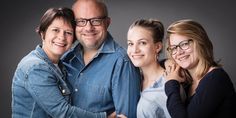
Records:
x=158, y=47
x=108, y=21
x=42, y=35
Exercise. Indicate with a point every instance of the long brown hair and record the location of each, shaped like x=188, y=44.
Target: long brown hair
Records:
x=202, y=43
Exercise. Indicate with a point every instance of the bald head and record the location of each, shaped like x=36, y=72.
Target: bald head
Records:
x=89, y=5
x=91, y=11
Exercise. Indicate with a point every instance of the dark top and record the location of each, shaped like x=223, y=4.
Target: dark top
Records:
x=214, y=97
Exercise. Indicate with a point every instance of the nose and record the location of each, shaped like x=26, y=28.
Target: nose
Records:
x=136, y=48
x=62, y=35
x=88, y=26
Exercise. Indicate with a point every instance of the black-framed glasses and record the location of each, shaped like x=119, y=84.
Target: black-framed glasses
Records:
x=183, y=45
x=92, y=21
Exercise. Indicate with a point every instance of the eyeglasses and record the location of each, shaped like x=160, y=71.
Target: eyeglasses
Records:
x=183, y=45
x=92, y=21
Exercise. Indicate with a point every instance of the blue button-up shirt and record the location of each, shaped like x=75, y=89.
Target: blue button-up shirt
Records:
x=40, y=90
x=108, y=82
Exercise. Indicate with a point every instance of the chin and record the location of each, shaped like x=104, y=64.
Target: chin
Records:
x=137, y=64
x=183, y=66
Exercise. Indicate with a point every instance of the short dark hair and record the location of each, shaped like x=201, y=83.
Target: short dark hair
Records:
x=53, y=13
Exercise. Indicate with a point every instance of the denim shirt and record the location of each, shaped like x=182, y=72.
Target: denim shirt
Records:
x=152, y=103
x=108, y=82
x=39, y=90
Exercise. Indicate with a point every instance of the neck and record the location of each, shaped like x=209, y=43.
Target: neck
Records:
x=54, y=58
x=89, y=55
x=152, y=72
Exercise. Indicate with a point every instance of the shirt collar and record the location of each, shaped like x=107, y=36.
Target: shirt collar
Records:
x=108, y=46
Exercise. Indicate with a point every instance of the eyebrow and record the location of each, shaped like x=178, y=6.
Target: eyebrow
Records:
x=142, y=39
x=55, y=27
x=98, y=17
x=180, y=42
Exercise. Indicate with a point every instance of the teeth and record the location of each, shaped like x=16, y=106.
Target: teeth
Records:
x=136, y=56
x=60, y=44
x=183, y=58
x=89, y=34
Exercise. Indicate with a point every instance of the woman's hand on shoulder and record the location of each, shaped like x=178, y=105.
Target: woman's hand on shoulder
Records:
x=121, y=116
x=172, y=72
x=113, y=115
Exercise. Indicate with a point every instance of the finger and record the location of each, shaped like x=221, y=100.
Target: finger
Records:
x=174, y=66
x=170, y=68
x=121, y=116
x=165, y=73
x=177, y=67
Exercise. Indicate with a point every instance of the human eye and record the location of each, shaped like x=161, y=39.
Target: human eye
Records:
x=143, y=43
x=80, y=22
x=96, y=21
x=172, y=48
x=129, y=44
x=55, y=30
x=69, y=33
x=184, y=45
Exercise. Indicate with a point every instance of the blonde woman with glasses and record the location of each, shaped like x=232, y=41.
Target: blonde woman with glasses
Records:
x=211, y=93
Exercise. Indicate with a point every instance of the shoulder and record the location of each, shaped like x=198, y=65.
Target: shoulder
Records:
x=217, y=79
x=31, y=62
x=121, y=52
x=118, y=51
x=217, y=75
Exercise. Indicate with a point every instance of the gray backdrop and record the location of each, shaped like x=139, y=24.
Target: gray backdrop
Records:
x=19, y=19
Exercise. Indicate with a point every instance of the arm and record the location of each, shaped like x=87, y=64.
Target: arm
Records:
x=43, y=87
x=175, y=105
x=206, y=100
x=126, y=89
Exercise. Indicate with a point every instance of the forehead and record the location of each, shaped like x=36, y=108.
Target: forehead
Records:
x=175, y=39
x=61, y=23
x=88, y=9
x=138, y=33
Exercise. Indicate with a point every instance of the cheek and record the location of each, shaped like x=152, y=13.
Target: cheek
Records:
x=101, y=29
x=189, y=51
x=78, y=30
x=128, y=51
x=70, y=43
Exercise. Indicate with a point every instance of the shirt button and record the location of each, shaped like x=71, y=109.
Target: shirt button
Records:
x=63, y=91
x=81, y=74
x=76, y=90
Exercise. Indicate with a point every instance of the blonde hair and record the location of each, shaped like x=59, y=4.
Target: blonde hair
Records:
x=202, y=43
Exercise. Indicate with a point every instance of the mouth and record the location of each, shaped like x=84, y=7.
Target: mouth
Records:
x=89, y=34
x=137, y=56
x=183, y=58
x=60, y=44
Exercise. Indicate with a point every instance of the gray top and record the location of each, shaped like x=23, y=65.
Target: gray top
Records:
x=152, y=103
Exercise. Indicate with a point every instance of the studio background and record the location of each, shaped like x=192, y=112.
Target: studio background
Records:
x=20, y=18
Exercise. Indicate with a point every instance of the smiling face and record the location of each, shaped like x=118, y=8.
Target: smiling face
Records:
x=141, y=48
x=188, y=58
x=57, y=39
x=91, y=37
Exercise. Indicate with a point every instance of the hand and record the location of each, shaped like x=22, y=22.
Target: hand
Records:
x=172, y=72
x=112, y=115
x=121, y=116
x=168, y=62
